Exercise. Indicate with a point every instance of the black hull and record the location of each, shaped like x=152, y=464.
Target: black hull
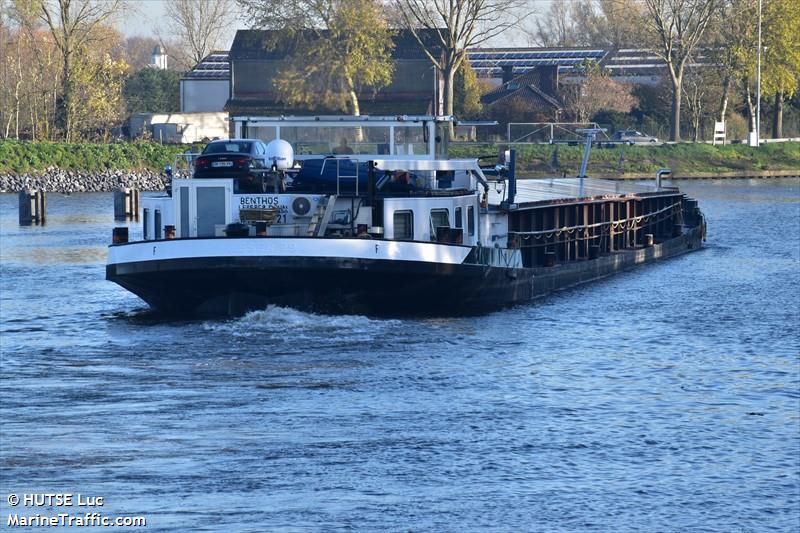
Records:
x=234, y=285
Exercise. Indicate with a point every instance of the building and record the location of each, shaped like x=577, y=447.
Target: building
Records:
x=536, y=90
x=179, y=127
x=206, y=88
x=256, y=58
x=158, y=59
x=247, y=71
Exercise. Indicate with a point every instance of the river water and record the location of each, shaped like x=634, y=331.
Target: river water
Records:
x=663, y=399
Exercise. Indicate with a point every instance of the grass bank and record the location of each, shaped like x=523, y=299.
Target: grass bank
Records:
x=24, y=156
x=532, y=160
x=636, y=161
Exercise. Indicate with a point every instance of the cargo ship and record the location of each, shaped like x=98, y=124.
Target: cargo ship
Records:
x=391, y=227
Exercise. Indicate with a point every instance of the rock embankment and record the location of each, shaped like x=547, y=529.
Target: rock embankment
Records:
x=69, y=181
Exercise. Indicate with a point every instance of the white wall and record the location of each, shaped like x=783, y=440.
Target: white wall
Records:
x=204, y=95
x=183, y=127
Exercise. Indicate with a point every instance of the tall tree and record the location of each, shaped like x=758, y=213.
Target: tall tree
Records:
x=457, y=25
x=606, y=23
x=200, y=25
x=341, y=47
x=556, y=27
x=781, y=56
x=467, y=92
x=152, y=90
x=73, y=25
x=677, y=27
x=735, y=46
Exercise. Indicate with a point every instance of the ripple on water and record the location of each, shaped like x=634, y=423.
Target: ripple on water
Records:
x=663, y=399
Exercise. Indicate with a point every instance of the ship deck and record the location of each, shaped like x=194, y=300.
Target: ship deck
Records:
x=540, y=191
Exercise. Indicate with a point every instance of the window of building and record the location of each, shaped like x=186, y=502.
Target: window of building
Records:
x=404, y=225
x=471, y=220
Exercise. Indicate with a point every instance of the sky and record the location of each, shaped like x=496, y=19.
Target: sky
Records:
x=147, y=18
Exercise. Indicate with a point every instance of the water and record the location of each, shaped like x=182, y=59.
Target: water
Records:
x=663, y=399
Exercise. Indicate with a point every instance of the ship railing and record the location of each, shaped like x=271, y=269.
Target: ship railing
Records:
x=182, y=166
x=583, y=231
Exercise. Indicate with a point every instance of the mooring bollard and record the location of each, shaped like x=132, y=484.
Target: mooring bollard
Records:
x=126, y=204
x=119, y=235
x=32, y=207
x=648, y=240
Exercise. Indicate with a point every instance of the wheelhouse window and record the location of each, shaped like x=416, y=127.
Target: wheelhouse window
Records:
x=403, y=225
x=459, y=222
x=471, y=220
x=440, y=217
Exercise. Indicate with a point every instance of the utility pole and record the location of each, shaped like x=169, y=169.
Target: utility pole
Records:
x=758, y=89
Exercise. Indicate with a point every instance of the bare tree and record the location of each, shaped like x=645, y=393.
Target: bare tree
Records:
x=606, y=23
x=596, y=92
x=73, y=25
x=556, y=27
x=455, y=26
x=200, y=24
x=678, y=26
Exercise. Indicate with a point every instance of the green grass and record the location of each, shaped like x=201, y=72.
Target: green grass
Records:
x=683, y=159
x=26, y=156
x=532, y=159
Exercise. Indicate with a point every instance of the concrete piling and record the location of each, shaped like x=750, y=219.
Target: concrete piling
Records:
x=32, y=207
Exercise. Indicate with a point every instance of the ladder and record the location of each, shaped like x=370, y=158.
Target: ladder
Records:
x=321, y=217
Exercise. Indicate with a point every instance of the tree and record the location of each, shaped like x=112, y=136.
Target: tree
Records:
x=781, y=56
x=556, y=27
x=605, y=23
x=340, y=47
x=99, y=96
x=152, y=90
x=200, y=24
x=737, y=48
x=456, y=25
x=467, y=92
x=138, y=50
x=596, y=92
x=677, y=26
x=73, y=25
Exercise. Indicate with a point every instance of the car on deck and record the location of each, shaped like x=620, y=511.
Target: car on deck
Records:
x=231, y=158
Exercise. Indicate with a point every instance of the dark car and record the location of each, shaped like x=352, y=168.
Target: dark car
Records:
x=231, y=158
x=633, y=137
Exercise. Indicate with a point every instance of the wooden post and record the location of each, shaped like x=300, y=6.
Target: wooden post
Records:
x=32, y=207
x=126, y=204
